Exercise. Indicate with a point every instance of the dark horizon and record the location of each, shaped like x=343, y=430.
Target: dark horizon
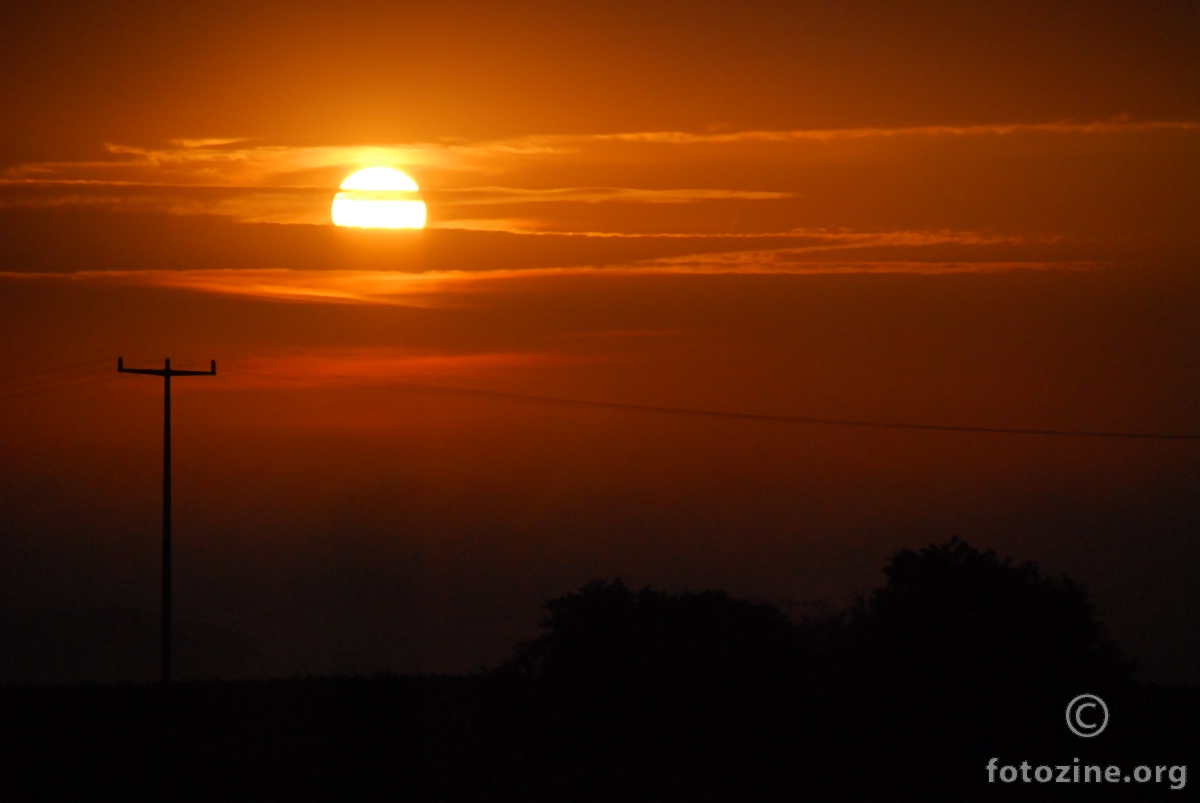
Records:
x=952, y=679
x=113, y=645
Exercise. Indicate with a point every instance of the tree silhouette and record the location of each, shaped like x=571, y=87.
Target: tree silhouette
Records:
x=660, y=696
x=961, y=654
x=955, y=615
x=642, y=694
x=607, y=633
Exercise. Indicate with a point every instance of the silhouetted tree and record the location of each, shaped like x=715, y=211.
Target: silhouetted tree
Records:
x=962, y=653
x=953, y=614
x=605, y=632
x=661, y=696
x=649, y=696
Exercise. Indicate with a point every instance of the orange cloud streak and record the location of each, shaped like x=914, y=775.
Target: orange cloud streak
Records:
x=446, y=288
x=284, y=183
x=373, y=367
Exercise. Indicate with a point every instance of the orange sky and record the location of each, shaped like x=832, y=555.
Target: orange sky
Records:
x=972, y=214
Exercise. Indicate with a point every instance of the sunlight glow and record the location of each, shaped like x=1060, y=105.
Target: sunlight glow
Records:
x=379, y=178
x=378, y=198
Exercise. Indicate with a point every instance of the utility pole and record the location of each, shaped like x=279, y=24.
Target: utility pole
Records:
x=166, y=373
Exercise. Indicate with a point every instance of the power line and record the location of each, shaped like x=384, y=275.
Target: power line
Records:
x=90, y=378
x=48, y=377
x=440, y=390
x=43, y=381
x=86, y=364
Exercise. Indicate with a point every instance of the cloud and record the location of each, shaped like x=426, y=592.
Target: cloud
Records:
x=280, y=284
x=820, y=242
x=255, y=181
x=280, y=205
x=510, y=195
x=775, y=262
x=310, y=205
x=457, y=288
x=214, y=164
x=369, y=366
x=828, y=135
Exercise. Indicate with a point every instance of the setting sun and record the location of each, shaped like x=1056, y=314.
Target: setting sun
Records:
x=379, y=198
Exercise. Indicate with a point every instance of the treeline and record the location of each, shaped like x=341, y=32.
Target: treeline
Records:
x=641, y=695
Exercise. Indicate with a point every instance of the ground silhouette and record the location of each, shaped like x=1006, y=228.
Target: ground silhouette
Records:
x=699, y=696
x=637, y=695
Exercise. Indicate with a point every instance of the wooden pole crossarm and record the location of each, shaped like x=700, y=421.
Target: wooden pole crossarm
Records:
x=168, y=371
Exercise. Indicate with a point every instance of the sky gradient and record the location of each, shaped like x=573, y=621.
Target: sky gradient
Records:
x=963, y=214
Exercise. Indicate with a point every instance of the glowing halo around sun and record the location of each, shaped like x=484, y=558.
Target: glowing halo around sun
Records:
x=379, y=198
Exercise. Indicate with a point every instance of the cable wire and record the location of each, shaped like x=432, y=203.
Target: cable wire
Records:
x=407, y=387
x=89, y=380
x=46, y=375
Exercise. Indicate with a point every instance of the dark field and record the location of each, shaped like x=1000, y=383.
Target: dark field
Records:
x=641, y=695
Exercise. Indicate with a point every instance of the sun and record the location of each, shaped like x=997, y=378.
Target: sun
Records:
x=379, y=198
